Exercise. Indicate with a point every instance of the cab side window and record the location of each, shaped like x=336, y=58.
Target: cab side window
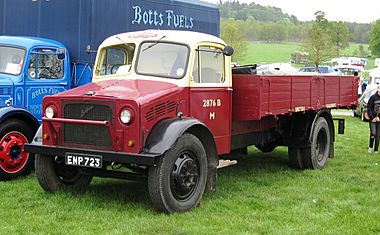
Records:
x=209, y=65
x=115, y=60
x=45, y=64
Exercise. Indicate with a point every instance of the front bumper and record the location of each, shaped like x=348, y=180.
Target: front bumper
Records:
x=108, y=156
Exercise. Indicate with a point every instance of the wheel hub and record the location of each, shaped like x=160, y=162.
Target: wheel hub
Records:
x=185, y=176
x=12, y=155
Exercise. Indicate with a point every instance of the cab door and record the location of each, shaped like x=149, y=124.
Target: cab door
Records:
x=47, y=73
x=211, y=93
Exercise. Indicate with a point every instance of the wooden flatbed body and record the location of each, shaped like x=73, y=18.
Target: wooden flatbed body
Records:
x=256, y=97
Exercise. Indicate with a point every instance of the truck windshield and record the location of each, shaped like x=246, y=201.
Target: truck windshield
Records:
x=115, y=59
x=162, y=59
x=11, y=60
x=45, y=64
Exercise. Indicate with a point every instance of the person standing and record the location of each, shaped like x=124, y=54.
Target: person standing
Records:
x=373, y=109
x=362, y=86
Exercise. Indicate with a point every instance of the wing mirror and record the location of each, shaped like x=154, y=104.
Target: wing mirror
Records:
x=228, y=51
x=61, y=53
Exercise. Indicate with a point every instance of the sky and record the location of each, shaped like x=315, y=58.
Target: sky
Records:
x=363, y=11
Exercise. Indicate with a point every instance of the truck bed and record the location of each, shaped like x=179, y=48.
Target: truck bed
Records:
x=256, y=96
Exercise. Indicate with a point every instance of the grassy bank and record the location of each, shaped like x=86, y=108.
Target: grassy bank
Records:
x=259, y=195
x=265, y=53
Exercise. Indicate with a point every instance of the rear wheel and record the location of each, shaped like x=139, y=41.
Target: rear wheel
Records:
x=177, y=182
x=296, y=158
x=54, y=175
x=14, y=162
x=316, y=155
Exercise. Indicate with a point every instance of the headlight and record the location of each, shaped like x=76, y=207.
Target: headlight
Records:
x=50, y=111
x=125, y=116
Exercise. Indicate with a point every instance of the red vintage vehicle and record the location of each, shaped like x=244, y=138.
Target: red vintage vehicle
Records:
x=166, y=105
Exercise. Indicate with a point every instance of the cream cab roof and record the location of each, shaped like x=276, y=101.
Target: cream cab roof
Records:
x=186, y=37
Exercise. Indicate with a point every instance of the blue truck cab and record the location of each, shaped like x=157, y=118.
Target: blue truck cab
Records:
x=51, y=46
x=30, y=69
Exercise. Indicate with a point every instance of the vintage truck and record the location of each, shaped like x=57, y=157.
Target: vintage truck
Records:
x=48, y=49
x=166, y=105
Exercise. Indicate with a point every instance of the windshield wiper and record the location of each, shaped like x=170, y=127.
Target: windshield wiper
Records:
x=130, y=47
x=155, y=43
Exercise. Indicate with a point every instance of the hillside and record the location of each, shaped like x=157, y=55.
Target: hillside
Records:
x=237, y=11
x=262, y=19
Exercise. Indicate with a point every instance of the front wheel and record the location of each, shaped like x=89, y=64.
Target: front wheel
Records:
x=178, y=181
x=14, y=162
x=54, y=175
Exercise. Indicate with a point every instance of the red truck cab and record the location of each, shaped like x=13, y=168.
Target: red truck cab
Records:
x=165, y=106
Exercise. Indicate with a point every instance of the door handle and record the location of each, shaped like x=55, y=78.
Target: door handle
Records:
x=63, y=83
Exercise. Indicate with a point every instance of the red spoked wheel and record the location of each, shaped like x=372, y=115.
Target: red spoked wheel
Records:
x=14, y=161
x=12, y=155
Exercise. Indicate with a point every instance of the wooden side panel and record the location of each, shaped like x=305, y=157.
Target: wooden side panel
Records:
x=255, y=97
x=245, y=97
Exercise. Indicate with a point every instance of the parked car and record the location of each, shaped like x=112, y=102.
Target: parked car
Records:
x=348, y=69
x=321, y=69
x=276, y=69
x=373, y=82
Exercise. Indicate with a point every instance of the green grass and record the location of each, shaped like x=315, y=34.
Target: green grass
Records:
x=259, y=195
x=265, y=53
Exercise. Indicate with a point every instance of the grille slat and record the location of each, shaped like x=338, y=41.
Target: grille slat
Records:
x=160, y=110
x=87, y=134
x=171, y=106
x=6, y=91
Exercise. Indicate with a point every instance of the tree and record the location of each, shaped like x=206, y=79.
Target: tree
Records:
x=295, y=30
x=231, y=34
x=339, y=36
x=374, y=39
x=362, y=51
x=318, y=42
x=320, y=17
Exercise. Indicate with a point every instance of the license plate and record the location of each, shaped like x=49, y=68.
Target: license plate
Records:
x=85, y=160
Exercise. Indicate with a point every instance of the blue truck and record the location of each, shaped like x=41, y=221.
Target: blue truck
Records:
x=46, y=47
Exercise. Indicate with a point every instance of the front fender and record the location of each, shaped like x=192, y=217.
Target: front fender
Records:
x=18, y=113
x=165, y=133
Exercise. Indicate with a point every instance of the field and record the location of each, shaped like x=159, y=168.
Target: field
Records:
x=259, y=195
x=263, y=53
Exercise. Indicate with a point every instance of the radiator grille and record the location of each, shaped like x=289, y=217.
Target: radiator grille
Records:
x=87, y=134
x=160, y=110
x=6, y=91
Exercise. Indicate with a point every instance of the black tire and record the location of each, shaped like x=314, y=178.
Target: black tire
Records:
x=54, y=175
x=177, y=182
x=14, y=162
x=267, y=147
x=296, y=160
x=315, y=156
